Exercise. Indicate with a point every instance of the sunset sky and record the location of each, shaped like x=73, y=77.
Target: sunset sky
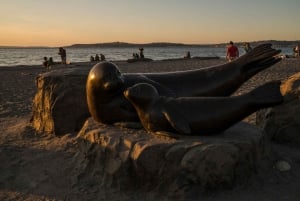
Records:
x=66, y=22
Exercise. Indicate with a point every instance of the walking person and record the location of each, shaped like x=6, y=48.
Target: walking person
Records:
x=232, y=52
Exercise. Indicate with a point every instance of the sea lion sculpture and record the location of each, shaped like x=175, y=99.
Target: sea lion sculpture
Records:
x=198, y=115
x=105, y=83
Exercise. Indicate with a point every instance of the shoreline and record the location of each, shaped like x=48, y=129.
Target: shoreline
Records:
x=116, y=61
x=35, y=56
x=58, y=64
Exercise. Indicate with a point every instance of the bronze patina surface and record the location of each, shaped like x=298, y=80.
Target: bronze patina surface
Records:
x=105, y=84
x=198, y=115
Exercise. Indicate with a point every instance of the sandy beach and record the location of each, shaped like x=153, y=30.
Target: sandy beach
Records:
x=40, y=167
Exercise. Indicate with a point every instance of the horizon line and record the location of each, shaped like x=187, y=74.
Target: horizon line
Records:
x=133, y=43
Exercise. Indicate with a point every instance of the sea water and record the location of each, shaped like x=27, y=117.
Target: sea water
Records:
x=34, y=56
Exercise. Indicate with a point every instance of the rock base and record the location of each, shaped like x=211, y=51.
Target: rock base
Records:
x=282, y=122
x=128, y=159
x=60, y=105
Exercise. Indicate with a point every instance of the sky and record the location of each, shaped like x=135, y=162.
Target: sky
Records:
x=64, y=22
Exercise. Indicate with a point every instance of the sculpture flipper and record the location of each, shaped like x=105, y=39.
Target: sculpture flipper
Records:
x=180, y=124
x=258, y=59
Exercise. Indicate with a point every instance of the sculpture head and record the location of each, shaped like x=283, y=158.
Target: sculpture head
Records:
x=141, y=93
x=104, y=88
x=105, y=77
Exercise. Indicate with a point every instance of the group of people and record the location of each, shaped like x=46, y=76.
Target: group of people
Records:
x=140, y=55
x=47, y=63
x=232, y=51
x=97, y=58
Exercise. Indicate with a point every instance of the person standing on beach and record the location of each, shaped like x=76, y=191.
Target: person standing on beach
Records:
x=141, y=53
x=63, y=54
x=92, y=59
x=102, y=57
x=232, y=52
x=247, y=47
x=97, y=58
x=187, y=55
x=45, y=63
x=50, y=62
x=296, y=51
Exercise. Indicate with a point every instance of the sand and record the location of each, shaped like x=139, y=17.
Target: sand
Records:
x=41, y=167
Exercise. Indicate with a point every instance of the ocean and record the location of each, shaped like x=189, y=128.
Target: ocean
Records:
x=34, y=56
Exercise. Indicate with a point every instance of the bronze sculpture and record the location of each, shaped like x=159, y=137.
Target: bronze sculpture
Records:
x=198, y=115
x=105, y=83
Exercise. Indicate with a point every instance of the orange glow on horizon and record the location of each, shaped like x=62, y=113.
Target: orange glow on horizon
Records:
x=132, y=21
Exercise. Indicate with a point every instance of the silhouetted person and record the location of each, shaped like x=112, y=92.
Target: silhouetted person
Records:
x=97, y=58
x=141, y=53
x=45, y=62
x=247, y=47
x=296, y=50
x=50, y=61
x=63, y=54
x=187, y=55
x=92, y=59
x=135, y=56
x=102, y=57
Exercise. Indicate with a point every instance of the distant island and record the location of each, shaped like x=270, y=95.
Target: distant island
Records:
x=275, y=43
x=124, y=44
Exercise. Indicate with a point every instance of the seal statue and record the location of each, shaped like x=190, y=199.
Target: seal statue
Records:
x=198, y=115
x=105, y=83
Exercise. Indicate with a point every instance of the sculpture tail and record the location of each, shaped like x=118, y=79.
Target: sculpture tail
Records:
x=267, y=95
x=258, y=59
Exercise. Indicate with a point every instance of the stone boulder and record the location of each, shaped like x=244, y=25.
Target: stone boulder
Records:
x=130, y=159
x=60, y=105
x=282, y=123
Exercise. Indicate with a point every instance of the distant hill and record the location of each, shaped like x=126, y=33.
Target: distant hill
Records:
x=276, y=43
x=136, y=45
x=124, y=44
